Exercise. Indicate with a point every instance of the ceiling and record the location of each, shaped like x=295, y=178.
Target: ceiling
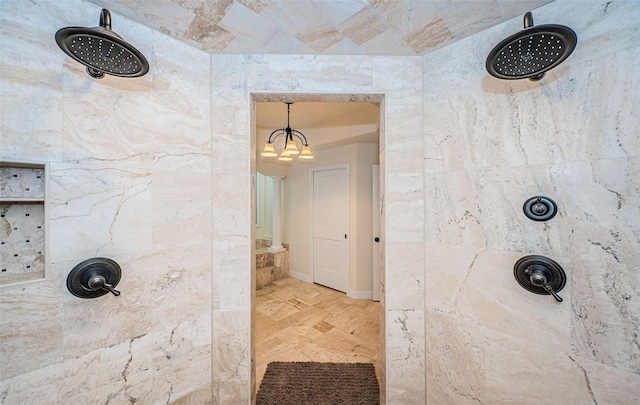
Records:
x=330, y=27
x=309, y=115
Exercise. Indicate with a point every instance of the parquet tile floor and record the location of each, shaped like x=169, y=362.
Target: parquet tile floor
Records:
x=299, y=321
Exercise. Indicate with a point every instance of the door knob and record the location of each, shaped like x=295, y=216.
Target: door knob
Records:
x=376, y=239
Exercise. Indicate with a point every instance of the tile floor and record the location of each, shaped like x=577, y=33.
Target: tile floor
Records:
x=299, y=321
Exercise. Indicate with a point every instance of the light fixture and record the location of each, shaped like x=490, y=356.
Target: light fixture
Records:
x=291, y=147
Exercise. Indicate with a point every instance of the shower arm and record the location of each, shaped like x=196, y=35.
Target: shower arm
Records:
x=528, y=19
x=105, y=19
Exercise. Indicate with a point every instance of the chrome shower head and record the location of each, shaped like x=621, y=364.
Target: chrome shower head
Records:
x=102, y=50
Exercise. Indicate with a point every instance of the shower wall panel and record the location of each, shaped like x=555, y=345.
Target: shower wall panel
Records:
x=490, y=145
x=130, y=179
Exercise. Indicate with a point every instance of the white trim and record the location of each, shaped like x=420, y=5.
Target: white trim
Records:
x=302, y=277
x=360, y=295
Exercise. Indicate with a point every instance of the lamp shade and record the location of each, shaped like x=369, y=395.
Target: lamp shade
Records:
x=285, y=156
x=291, y=148
x=306, y=153
x=269, y=150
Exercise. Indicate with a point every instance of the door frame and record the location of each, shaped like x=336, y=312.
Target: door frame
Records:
x=312, y=249
x=375, y=249
x=375, y=97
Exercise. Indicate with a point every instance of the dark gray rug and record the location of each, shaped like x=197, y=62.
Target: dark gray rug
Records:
x=307, y=383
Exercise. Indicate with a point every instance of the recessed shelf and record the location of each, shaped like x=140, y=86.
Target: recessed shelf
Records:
x=22, y=222
x=16, y=199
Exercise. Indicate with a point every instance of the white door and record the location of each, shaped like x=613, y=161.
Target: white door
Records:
x=375, y=238
x=331, y=228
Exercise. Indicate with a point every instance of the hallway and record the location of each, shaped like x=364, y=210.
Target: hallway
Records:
x=298, y=321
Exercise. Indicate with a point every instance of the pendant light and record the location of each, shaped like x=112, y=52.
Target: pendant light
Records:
x=291, y=147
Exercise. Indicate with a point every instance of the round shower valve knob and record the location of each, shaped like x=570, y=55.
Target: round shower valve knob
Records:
x=94, y=278
x=540, y=208
x=540, y=275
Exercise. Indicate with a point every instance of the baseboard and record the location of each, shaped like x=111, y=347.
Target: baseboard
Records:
x=302, y=277
x=360, y=295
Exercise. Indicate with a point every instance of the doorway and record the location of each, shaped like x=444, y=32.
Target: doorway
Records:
x=376, y=99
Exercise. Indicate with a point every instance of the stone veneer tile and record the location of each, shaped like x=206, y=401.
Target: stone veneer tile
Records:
x=450, y=347
x=21, y=182
x=446, y=265
x=520, y=362
x=22, y=249
x=464, y=21
x=605, y=324
x=161, y=289
x=320, y=37
x=405, y=207
x=608, y=384
x=454, y=212
x=119, y=371
x=362, y=26
x=393, y=73
x=404, y=288
x=431, y=35
x=231, y=356
x=491, y=297
x=180, y=226
x=116, y=200
x=25, y=324
x=405, y=362
x=484, y=359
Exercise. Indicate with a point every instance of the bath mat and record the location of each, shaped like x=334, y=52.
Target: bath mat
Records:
x=310, y=383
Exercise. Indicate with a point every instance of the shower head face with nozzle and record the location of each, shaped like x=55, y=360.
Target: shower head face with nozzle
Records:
x=102, y=50
x=532, y=52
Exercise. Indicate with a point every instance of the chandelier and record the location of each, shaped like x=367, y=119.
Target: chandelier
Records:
x=290, y=144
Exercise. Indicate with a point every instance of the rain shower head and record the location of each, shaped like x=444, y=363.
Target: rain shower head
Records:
x=102, y=50
x=528, y=54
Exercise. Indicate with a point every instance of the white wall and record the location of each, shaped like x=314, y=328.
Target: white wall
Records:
x=297, y=215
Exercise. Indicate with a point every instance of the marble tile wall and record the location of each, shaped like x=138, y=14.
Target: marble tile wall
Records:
x=121, y=152
x=309, y=78
x=457, y=328
x=490, y=145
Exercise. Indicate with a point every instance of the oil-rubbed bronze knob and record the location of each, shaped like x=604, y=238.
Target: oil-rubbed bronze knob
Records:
x=540, y=208
x=94, y=278
x=540, y=275
x=98, y=282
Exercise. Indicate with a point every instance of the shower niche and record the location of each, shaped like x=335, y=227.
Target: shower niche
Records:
x=22, y=222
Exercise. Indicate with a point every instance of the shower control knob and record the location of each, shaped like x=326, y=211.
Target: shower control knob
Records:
x=539, y=208
x=94, y=278
x=98, y=282
x=538, y=276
